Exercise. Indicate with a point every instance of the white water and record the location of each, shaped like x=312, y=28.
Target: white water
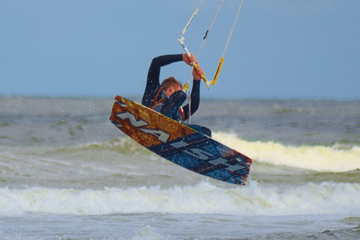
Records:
x=317, y=158
x=203, y=198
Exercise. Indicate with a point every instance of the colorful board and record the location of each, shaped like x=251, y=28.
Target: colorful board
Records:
x=179, y=143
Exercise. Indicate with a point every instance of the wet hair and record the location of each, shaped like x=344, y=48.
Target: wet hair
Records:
x=170, y=81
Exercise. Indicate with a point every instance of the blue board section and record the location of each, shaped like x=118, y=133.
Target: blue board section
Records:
x=206, y=156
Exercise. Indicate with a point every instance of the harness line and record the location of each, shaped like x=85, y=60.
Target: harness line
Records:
x=213, y=82
x=181, y=41
x=232, y=29
x=208, y=30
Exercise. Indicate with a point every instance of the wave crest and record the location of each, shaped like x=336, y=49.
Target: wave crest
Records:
x=317, y=158
x=203, y=198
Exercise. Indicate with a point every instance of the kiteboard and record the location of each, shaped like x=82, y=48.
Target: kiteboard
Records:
x=179, y=143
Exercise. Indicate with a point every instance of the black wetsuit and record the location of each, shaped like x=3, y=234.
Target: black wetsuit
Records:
x=172, y=103
x=153, y=86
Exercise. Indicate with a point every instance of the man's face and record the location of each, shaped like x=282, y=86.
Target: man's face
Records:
x=172, y=89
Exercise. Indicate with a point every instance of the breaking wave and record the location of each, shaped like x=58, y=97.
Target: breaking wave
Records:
x=317, y=158
x=203, y=198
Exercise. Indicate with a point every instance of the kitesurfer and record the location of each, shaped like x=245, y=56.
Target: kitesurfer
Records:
x=168, y=96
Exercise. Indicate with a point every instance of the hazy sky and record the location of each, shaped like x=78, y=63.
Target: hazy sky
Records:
x=279, y=48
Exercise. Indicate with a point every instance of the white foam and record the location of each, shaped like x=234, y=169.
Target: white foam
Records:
x=318, y=158
x=204, y=198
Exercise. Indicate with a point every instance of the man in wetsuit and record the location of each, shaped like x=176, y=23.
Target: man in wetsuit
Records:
x=168, y=96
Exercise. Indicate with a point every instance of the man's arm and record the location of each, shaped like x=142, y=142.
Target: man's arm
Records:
x=195, y=99
x=153, y=82
x=195, y=92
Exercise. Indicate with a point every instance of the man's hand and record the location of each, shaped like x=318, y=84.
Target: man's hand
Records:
x=187, y=59
x=197, y=73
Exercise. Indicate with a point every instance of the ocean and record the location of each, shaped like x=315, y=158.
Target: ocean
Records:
x=67, y=173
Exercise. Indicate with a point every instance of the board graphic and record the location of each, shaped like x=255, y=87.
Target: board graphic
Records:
x=179, y=143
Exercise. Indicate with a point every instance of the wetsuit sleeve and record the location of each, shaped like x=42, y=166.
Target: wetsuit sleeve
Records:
x=153, y=83
x=195, y=99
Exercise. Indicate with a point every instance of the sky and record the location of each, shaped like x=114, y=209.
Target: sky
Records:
x=306, y=49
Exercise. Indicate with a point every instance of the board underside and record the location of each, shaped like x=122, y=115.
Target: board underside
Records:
x=179, y=143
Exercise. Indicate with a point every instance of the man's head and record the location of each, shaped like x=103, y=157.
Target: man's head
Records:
x=171, y=85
